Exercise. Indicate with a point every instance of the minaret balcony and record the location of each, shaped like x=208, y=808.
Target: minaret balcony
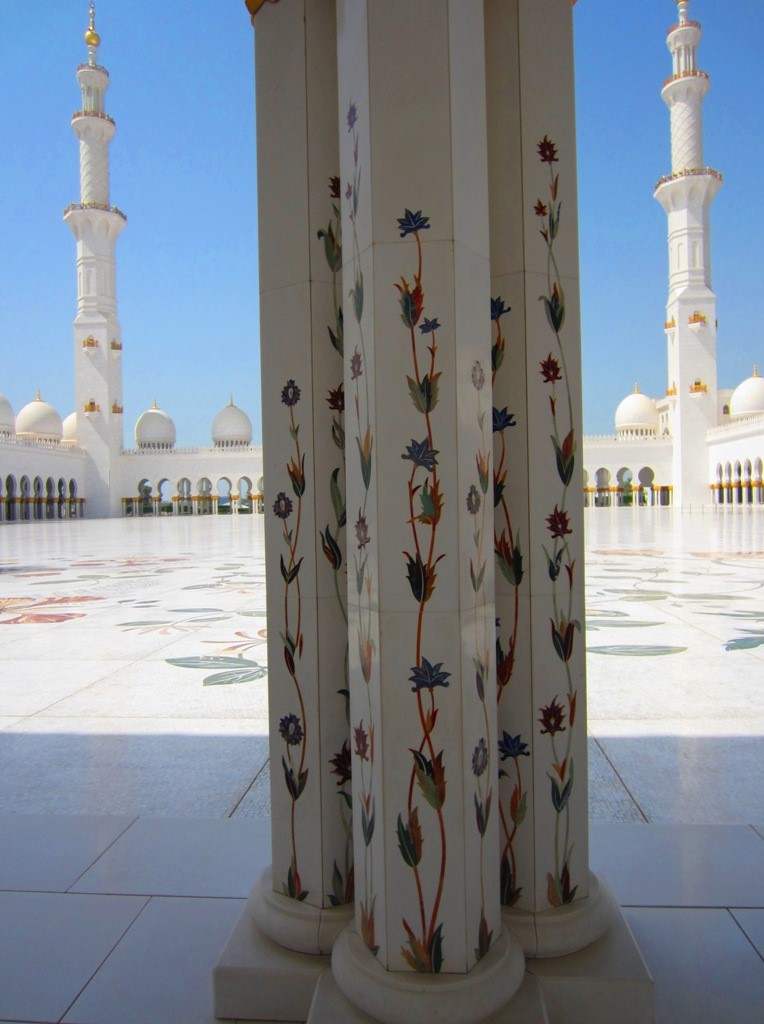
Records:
x=697, y=322
x=670, y=392
x=669, y=325
x=116, y=346
x=684, y=24
x=91, y=406
x=90, y=343
x=685, y=74
x=95, y=206
x=690, y=172
x=117, y=408
x=92, y=113
x=698, y=388
x=93, y=67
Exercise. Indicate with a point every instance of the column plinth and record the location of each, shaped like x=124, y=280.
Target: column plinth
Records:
x=395, y=997
x=295, y=925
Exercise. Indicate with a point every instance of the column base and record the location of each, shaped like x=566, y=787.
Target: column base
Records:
x=330, y=1006
x=257, y=979
x=606, y=982
x=264, y=972
x=561, y=931
x=295, y=925
x=405, y=997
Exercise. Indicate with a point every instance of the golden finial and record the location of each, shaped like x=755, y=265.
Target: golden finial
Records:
x=230, y=404
x=636, y=388
x=37, y=397
x=253, y=6
x=755, y=370
x=91, y=36
x=155, y=406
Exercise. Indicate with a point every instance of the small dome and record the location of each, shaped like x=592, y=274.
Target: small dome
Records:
x=231, y=428
x=70, y=429
x=39, y=420
x=637, y=414
x=748, y=397
x=7, y=417
x=154, y=429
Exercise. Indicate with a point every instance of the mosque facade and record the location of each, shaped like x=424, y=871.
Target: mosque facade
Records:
x=698, y=443
x=52, y=468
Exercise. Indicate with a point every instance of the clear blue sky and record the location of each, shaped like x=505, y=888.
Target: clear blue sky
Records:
x=183, y=170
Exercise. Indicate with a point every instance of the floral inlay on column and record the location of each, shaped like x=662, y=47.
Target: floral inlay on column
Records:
x=424, y=949
x=509, y=560
x=292, y=727
x=334, y=546
x=558, y=556
x=482, y=764
x=363, y=732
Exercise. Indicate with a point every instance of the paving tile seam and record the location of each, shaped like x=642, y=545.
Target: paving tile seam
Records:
x=105, y=850
x=620, y=779
x=731, y=912
x=259, y=772
x=103, y=961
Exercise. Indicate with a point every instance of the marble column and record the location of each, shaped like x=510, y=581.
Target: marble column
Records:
x=459, y=748
x=305, y=898
x=548, y=895
x=420, y=564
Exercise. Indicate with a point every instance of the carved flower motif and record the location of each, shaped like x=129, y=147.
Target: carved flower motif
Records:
x=291, y=730
x=290, y=393
x=558, y=523
x=282, y=506
x=547, y=151
x=552, y=718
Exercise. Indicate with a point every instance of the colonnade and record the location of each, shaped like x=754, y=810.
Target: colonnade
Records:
x=424, y=526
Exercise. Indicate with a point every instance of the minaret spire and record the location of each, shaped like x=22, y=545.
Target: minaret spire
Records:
x=96, y=225
x=686, y=195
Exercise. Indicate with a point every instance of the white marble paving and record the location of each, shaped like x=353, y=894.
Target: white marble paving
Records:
x=684, y=949
x=161, y=970
x=53, y=944
x=97, y=727
x=182, y=857
x=675, y=611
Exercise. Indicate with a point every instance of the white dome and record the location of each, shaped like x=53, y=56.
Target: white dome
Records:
x=748, y=397
x=637, y=414
x=154, y=429
x=70, y=429
x=39, y=420
x=231, y=427
x=7, y=417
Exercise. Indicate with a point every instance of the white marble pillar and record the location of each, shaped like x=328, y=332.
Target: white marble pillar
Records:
x=305, y=898
x=538, y=479
x=420, y=573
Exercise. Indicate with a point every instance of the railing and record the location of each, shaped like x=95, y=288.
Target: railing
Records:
x=684, y=74
x=92, y=114
x=97, y=67
x=116, y=346
x=117, y=408
x=670, y=392
x=689, y=172
x=697, y=318
x=90, y=342
x=697, y=389
x=38, y=442
x=684, y=24
x=217, y=452
x=739, y=425
x=669, y=325
x=95, y=206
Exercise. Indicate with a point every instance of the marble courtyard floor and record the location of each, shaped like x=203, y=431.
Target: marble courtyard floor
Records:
x=134, y=762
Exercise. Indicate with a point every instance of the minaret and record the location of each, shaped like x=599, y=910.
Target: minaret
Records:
x=686, y=195
x=97, y=337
